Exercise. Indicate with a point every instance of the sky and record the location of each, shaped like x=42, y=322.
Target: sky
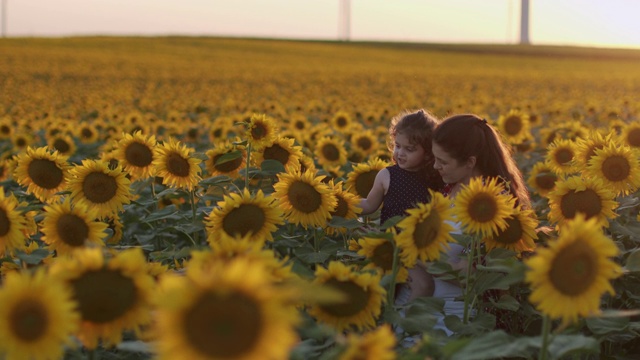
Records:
x=598, y=23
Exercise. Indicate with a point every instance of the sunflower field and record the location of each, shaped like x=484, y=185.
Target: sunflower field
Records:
x=197, y=198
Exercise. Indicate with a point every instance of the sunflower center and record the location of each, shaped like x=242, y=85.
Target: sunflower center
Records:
x=5, y=130
x=383, y=256
x=258, y=131
x=342, y=208
x=223, y=326
x=341, y=122
x=227, y=166
x=5, y=224
x=192, y=133
x=244, y=219
x=574, y=269
x=563, y=156
x=45, y=173
x=616, y=168
x=86, y=133
x=177, y=165
x=61, y=145
x=357, y=299
x=138, y=154
x=21, y=142
x=482, y=208
x=364, y=183
x=633, y=137
x=28, y=320
x=546, y=180
x=426, y=231
x=364, y=143
x=330, y=152
x=587, y=202
x=99, y=187
x=300, y=125
x=72, y=229
x=304, y=197
x=513, y=125
x=277, y=152
x=512, y=234
x=104, y=295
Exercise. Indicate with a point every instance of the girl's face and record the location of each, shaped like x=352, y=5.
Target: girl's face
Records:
x=409, y=156
x=450, y=169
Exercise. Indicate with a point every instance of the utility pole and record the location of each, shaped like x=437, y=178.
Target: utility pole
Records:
x=344, y=20
x=524, y=23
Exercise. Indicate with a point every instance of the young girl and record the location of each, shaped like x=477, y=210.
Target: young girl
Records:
x=406, y=183
x=466, y=146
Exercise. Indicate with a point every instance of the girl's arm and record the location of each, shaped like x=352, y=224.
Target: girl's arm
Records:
x=376, y=194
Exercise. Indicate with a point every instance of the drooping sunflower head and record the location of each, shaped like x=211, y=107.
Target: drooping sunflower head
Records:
x=240, y=215
x=618, y=167
x=379, y=253
x=43, y=172
x=330, y=151
x=362, y=292
x=66, y=227
x=569, y=277
x=560, y=155
x=542, y=178
x=261, y=130
x=228, y=310
x=175, y=165
x=426, y=230
x=360, y=179
x=514, y=126
x=483, y=206
x=305, y=199
x=94, y=185
x=519, y=235
x=113, y=293
x=282, y=150
x=135, y=154
x=631, y=135
x=12, y=225
x=588, y=196
x=38, y=316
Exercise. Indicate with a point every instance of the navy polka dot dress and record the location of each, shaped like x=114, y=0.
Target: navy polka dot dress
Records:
x=406, y=190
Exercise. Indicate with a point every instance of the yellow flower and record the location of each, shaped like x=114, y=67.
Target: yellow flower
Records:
x=226, y=159
x=175, y=165
x=366, y=142
x=360, y=179
x=631, y=135
x=346, y=208
x=281, y=150
x=542, y=178
x=44, y=173
x=586, y=148
x=330, y=151
x=380, y=254
x=341, y=122
x=37, y=316
x=12, y=225
x=304, y=198
x=261, y=131
x=560, y=155
x=135, y=154
x=618, y=167
x=576, y=195
x=363, y=297
x=514, y=126
x=569, y=277
x=62, y=143
x=482, y=206
x=378, y=344
x=519, y=235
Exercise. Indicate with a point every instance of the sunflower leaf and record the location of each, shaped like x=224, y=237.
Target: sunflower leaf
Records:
x=564, y=345
x=633, y=261
x=34, y=258
x=230, y=156
x=271, y=167
x=340, y=222
x=605, y=325
x=493, y=345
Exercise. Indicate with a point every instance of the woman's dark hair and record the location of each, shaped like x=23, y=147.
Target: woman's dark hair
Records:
x=466, y=135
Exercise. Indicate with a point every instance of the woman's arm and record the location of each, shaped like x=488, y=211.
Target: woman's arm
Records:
x=376, y=194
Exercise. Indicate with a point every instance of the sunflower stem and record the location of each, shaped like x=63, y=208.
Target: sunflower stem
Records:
x=246, y=174
x=467, y=288
x=192, y=199
x=546, y=328
x=394, y=274
x=91, y=354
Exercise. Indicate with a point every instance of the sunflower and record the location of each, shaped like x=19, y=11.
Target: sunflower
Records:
x=175, y=165
x=341, y=122
x=38, y=316
x=135, y=154
x=7, y=128
x=425, y=232
x=43, y=173
x=618, y=167
x=560, y=155
x=63, y=143
x=244, y=215
x=569, y=277
x=519, y=235
x=581, y=195
x=261, y=131
x=378, y=344
x=364, y=297
x=631, y=135
x=113, y=294
x=360, y=179
x=380, y=254
x=346, y=208
x=94, y=185
x=304, y=199
x=229, y=310
x=542, y=178
x=282, y=150
x=87, y=133
x=482, y=206
x=116, y=227
x=586, y=148
x=12, y=225
x=226, y=159
x=514, y=126
x=21, y=141
x=67, y=227
x=330, y=151
x=366, y=142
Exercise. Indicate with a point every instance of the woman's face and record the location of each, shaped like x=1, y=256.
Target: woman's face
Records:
x=450, y=169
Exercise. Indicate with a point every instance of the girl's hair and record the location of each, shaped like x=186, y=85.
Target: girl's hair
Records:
x=466, y=135
x=417, y=126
